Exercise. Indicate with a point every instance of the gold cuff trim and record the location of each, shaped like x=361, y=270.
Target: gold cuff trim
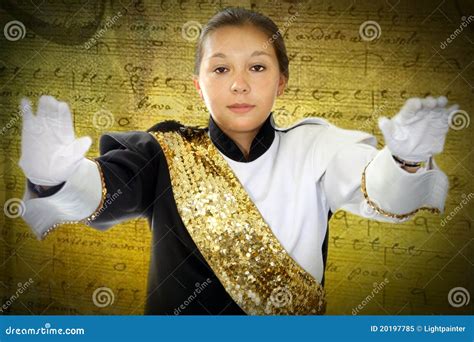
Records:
x=91, y=217
x=379, y=210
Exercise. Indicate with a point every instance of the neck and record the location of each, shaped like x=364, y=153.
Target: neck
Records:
x=242, y=139
x=242, y=146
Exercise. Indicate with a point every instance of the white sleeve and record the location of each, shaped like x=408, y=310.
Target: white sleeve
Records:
x=76, y=202
x=369, y=183
x=117, y=186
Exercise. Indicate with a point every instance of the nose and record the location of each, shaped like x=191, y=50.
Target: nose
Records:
x=240, y=85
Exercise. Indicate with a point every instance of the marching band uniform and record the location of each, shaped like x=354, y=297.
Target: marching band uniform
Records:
x=254, y=230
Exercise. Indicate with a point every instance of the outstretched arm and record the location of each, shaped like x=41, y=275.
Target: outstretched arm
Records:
x=63, y=186
x=394, y=183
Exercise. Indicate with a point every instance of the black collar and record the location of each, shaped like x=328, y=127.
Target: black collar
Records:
x=260, y=144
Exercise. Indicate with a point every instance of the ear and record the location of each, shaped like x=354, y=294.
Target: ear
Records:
x=281, y=84
x=197, y=86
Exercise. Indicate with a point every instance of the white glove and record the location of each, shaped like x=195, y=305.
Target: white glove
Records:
x=419, y=130
x=49, y=151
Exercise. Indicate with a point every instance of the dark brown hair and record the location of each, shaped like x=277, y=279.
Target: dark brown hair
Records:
x=237, y=16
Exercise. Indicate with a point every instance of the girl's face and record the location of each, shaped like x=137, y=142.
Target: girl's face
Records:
x=239, y=66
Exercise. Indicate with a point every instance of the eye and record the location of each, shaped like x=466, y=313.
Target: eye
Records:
x=260, y=67
x=219, y=70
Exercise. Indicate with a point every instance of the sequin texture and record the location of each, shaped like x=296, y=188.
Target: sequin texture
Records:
x=231, y=234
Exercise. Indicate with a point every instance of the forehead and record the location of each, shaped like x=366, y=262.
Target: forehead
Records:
x=230, y=41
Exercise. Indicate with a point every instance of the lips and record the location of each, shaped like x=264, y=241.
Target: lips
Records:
x=241, y=107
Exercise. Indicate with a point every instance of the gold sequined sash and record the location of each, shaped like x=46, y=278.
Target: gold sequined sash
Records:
x=231, y=234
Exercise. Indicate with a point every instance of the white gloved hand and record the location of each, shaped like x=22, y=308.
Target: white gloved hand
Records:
x=49, y=151
x=419, y=130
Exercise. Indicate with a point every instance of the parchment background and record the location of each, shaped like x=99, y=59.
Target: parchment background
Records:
x=125, y=65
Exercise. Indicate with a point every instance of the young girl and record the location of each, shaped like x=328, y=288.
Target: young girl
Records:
x=240, y=207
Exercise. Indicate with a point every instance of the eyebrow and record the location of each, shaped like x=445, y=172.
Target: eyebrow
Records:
x=255, y=53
